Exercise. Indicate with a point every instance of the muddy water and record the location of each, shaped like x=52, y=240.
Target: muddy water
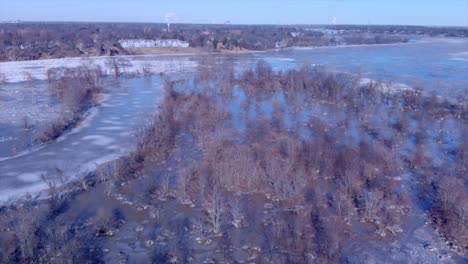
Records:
x=107, y=133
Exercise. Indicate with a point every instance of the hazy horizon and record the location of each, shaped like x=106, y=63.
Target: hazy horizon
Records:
x=295, y=12
x=246, y=24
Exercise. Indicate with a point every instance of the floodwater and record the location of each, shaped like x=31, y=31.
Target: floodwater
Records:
x=107, y=133
x=439, y=65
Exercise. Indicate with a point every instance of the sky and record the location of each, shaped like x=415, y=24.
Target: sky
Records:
x=408, y=12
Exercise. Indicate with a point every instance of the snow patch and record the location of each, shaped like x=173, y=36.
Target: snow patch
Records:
x=30, y=177
x=112, y=128
x=99, y=140
x=15, y=70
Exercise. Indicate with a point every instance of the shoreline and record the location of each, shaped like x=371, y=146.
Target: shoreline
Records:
x=25, y=66
x=174, y=52
x=194, y=51
x=142, y=52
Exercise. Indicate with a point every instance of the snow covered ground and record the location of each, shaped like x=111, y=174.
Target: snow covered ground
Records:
x=19, y=71
x=25, y=101
x=106, y=136
x=19, y=101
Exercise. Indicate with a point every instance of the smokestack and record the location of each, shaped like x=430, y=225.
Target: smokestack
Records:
x=170, y=17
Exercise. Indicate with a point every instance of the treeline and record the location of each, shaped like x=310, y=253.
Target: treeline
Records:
x=405, y=30
x=30, y=41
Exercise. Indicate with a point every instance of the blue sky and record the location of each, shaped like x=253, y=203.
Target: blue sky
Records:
x=414, y=12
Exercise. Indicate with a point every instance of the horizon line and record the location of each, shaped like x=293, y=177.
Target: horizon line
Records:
x=227, y=24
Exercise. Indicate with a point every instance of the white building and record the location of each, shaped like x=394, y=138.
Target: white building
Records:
x=150, y=43
x=281, y=44
x=296, y=34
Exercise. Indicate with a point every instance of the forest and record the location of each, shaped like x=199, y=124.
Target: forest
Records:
x=32, y=41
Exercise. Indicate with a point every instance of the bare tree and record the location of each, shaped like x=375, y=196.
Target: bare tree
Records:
x=373, y=203
x=53, y=186
x=446, y=194
x=26, y=123
x=462, y=213
x=343, y=203
x=28, y=79
x=183, y=183
x=3, y=78
x=165, y=187
x=214, y=204
x=235, y=207
x=118, y=66
x=147, y=69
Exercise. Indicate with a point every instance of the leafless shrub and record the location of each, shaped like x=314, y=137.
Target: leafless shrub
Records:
x=28, y=80
x=53, y=130
x=147, y=69
x=77, y=88
x=3, y=78
x=118, y=66
x=165, y=187
x=60, y=174
x=343, y=204
x=102, y=222
x=25, y=227
x=462, y=214
x=53, y=184
x=235, y=208
x=451, y=210
x=184, y=181
x=26, y=123
x=107, y=171
x=373, y=203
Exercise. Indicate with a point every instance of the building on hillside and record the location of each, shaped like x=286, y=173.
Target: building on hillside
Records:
x=281, y=44
x=150, y=43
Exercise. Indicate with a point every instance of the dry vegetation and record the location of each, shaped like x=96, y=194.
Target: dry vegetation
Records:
x=265, y=167
x=77, y=89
